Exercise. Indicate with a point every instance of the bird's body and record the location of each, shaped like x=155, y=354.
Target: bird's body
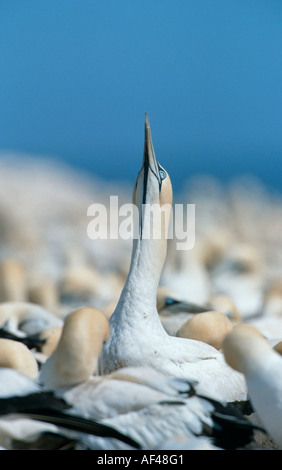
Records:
x=138, y=339
x=179, y=357
x=131, y=401
x=153, y=424
x=142, y=402
x=26, y=317
x=27, y=411
x=191, y=417
x=247, y=350
x=126, y=390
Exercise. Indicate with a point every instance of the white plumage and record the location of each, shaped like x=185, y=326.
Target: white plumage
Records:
x=137, y=337
x=247, y=350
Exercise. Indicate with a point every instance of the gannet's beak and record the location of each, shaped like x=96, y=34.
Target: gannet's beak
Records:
x=150, y=170
x=152, y=186
x=149, y=157
x=176, y=306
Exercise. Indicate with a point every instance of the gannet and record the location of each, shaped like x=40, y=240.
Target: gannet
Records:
x=126, y=391
x=69, y=371
x=75, y=357
x=137, y=337
x=26, y=411
x=175, y=411
x=168, y=302
x=32, y=342
x=209, y=327
x=225, y=304
x=143, y=402
x=175, y=311
x=27, y=317
x=50, y=339
x=246, y=350
x=191, y=417
x=15, y=355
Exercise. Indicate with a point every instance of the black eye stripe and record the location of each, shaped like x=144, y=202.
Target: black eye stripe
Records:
x=158, y=178
x=153, y=172
x=162, y=173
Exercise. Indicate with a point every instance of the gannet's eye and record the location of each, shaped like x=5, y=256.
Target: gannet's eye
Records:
x=162, y=174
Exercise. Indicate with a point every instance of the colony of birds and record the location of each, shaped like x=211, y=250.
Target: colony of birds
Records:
x=121, y=344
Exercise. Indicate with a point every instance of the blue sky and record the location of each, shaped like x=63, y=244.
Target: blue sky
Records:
x=76, y=78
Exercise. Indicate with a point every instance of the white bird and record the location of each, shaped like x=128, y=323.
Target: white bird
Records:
x=209, y=327
x=131, y=401
x=137, y=337
x=75, y=358
x=70, y=369
x=26, y=412
x=169, y=303
x=144, y=403
x=175, y=311
x=141, y=400
x=247, y=351
x=15, y=355
x=193, y=417
x=123, y=391
x=15, y=385
x=26, y=317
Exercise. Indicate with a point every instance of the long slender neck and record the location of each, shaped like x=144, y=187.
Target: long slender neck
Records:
x=147, y=260
x=146, y=267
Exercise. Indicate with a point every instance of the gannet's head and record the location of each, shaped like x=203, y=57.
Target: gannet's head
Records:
x=16, y=355
x=225, y=304
x=208, y=327
x=245, y=348
x=75, y=358
x=152, y=185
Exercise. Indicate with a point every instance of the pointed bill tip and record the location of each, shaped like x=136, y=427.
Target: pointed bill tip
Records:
x=149, y=154
x=147, y=122
x=148, y=136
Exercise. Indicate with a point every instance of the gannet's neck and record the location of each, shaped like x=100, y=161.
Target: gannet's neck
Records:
x=147, y=260
x=145, y=270
x=152, y=196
